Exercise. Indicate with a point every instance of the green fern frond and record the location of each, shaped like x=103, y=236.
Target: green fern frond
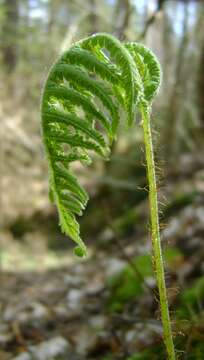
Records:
x=149, y=68
x=84, y=93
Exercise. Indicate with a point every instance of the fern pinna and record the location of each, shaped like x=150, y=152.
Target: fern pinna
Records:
x=83, y=96
x=81, y=103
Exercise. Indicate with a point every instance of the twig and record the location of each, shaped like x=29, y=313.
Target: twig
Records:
x=151, y=20
x=125, y=256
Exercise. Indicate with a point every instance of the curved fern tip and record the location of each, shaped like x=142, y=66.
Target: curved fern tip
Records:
x=86, y=91
x=80, y=251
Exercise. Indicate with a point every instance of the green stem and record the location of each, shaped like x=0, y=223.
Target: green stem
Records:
x=156, y=243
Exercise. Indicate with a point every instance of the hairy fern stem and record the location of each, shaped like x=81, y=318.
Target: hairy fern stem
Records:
x=155, y=232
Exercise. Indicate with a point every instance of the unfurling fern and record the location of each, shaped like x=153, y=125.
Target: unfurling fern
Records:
x=81, y=103
x=85, y=92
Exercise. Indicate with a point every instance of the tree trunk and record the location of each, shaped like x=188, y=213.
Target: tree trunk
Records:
x=201, y=87
x=93, y=17
x=170, y=135
x=9, y=34
x=150, y=20
x=122, y=16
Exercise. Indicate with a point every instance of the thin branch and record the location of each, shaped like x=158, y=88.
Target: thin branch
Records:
x=150, y=21
x=120, y=247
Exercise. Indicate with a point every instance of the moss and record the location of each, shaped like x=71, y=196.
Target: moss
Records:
x=153, y=353
x=191, y=300
x=128, y=285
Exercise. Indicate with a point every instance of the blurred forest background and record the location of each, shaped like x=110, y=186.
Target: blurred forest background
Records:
x=52, y=305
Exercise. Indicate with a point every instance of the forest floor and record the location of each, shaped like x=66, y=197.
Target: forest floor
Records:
x=104, y=307
x=54, y=306
x=64, y=314
x=69, y=307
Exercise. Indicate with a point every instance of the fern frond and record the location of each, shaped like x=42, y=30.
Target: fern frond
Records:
x=119, y=56
x=84, y=93
x=75, y=98
x=90, y=62
x=149, y=68
x=86, y=88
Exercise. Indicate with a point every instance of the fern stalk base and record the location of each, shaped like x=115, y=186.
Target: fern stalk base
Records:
x=156, y=243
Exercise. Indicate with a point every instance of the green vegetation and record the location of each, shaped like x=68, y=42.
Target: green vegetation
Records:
x=153, y=354
x=129, y=78
x=191, y=301
x=129, y=284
